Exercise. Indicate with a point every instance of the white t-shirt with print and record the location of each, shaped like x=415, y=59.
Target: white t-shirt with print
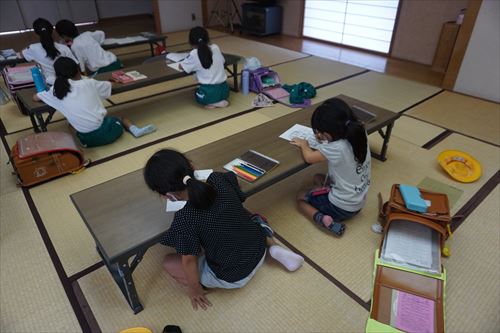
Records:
x=215, y=74
x=350, y=181
x=36, y=52
x=87, y=49
x=82, y=106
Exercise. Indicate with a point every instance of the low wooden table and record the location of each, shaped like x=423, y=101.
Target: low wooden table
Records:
x=156, y=72
x=151, y=39
x=126, y=223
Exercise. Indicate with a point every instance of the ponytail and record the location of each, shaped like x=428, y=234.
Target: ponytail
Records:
x=170, y=171
x=198, y=36
x=43, y=29
x=356, y=135
x=336, y=118
x=65, y=68
x=201, y=195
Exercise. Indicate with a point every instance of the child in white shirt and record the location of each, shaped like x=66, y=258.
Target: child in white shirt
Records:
x=207, y=61
x=80, y=101
x=47, y=51
x=342, y=141
x=87, y=48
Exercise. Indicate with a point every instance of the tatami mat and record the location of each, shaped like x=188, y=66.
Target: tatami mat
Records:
x=386, y=91
x=487, y=155
x=314, y=70
x=14, y=120
x=173, y=38
x=70, y=236
x=180, y=37
x=32, y=298
x=415, y=131
x=171, y=114
x=7, y=179
x=273, y=301
x=267, y=54
x=472, y=291
x=407, y=163
x=468, y=115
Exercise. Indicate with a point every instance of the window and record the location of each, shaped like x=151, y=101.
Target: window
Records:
x=366, y=24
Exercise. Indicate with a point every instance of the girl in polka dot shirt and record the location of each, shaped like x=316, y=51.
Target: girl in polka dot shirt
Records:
x=219, y=244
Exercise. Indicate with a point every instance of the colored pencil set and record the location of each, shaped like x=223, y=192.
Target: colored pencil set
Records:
x=251, y=165
x=248, y=172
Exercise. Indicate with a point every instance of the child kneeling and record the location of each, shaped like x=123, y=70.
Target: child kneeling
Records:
x=80, y=101
x=207, y=61
x=219, y=243
x=340, y=139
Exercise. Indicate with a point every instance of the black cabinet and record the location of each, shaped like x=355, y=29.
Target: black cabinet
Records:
x=261, y=19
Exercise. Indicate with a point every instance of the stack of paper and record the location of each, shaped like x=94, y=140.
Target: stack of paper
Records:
x=8, y=54
x=176, y=57
x=124, y=40
x=412, y=245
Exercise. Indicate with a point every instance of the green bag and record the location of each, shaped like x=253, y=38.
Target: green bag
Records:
x=300, y=92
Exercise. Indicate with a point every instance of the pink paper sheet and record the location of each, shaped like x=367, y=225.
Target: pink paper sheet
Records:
x=415, y=314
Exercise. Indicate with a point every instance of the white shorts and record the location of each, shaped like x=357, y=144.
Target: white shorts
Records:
x=210, y=280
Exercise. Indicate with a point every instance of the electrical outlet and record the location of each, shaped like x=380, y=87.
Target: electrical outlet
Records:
x=193, y=17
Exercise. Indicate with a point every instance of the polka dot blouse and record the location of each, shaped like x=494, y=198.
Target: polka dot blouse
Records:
x=232, y=243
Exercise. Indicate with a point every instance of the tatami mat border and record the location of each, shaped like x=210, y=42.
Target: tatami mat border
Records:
x=319, y=269
x=61, y=274
x=446, y=133
x=86, y=309
x=422, y=101
x=475, y=201
x=453, y=131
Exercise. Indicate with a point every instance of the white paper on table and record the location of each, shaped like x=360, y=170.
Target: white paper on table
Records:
x=203, y=174
x=297, y=131
x=136, y=75
x=173, y=206
x=176, y=57
x=175, y=66
x=124, y=40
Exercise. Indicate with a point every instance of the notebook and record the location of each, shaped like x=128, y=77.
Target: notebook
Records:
x=251, y=165
x=125, y=77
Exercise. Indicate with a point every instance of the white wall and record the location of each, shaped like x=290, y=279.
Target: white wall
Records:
x=176, y=15
x=479, y=73
x=117, y=8
x=416, y=35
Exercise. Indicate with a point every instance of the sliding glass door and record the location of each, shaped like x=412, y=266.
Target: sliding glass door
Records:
x=366, y=24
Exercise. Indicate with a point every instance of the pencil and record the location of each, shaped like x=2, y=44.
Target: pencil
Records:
x=244, y=174
x=250, y=170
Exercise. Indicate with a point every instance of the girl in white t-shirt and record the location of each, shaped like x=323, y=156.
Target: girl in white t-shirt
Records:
x=80, y=101
x=340, y=139
x=46, y=52
x=87, y=48
x=207, y=61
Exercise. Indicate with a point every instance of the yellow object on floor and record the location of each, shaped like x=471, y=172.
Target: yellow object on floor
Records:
x=137, y=330
x=460, y=166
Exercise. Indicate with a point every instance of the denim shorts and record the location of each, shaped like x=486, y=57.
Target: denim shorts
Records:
x=323, y=204
x=209, y=280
